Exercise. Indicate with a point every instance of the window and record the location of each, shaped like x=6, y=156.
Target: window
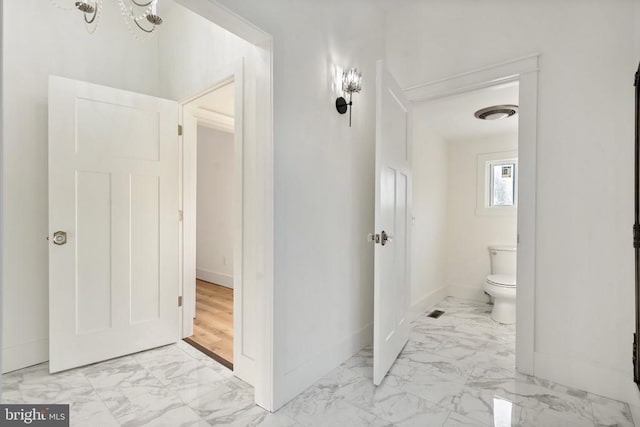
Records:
x=497, y=187
x=502, y=184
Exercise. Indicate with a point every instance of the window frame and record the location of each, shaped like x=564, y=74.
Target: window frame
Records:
x=484, y=193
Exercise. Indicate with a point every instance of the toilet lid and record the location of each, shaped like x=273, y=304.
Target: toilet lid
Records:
x=502, y=280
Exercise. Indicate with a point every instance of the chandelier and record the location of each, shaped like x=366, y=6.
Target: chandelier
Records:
x=141, y=16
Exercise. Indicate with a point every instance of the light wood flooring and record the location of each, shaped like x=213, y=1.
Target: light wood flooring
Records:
x=213, y=325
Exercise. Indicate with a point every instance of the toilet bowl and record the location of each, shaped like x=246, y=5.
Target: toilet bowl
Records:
x=503, y=290
x=501, y=284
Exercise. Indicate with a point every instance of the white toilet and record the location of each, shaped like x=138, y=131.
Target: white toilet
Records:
x=501, y=283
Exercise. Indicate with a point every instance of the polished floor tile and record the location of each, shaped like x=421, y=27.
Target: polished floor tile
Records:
x=457, y=370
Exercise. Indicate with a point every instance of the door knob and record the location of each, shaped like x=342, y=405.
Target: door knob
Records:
x=381, y=238
x=59, y=238
x=384, y=238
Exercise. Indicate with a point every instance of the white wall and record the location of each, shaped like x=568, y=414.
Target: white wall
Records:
x=190, y=59
x=470, y=234
x=430, y=177
x=324, y=180
x=215, y=219
x=46, y=40
x=584, y=258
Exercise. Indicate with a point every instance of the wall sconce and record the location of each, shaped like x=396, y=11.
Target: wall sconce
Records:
x=351, y=82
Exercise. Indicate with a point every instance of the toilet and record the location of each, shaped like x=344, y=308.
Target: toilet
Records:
x=501, y=283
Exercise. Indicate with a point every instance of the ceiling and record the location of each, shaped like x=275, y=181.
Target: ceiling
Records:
x=220, y=100
x=452, y=117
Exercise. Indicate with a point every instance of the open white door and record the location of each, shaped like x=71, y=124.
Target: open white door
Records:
x=113, y=189
x=392, y=212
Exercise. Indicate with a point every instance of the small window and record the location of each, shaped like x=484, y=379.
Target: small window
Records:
x=497, y=183
x=502, y=184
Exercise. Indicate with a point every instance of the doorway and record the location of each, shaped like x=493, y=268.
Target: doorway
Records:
x=214, y=134
x=465, y=194
x=246, y=63
x=523, y=70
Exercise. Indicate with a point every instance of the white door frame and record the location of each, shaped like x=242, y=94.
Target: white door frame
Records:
x=258, y=142
x=525, y=71
x=190, y=118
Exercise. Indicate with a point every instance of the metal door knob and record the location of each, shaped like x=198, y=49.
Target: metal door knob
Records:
x=59, y=238
x=384, y=238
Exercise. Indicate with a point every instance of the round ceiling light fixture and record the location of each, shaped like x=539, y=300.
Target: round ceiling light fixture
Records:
x=496, y=112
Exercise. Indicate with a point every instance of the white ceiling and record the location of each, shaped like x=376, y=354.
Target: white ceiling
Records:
x=452, y=117
x=220, y=100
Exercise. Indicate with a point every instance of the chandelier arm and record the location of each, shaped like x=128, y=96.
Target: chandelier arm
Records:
x=93, y=18
x=144, y=29
x=142, y=4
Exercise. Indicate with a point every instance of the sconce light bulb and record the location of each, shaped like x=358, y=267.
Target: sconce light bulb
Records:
x=352, y=81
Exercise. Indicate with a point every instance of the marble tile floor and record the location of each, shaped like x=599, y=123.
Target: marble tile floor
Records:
x=457, y=370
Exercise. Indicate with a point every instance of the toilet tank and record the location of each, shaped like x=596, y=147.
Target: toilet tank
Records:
x=503, y=259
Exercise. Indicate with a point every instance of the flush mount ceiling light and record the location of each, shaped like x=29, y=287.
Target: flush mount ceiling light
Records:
x=496, y=112
x=351, y=83
x=139, y=15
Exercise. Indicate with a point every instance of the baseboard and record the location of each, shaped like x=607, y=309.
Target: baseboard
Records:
x=591, y=377
x=426, y=302
x=24, y=355
x=467, y=292
x=302, y=377
x=221, y=279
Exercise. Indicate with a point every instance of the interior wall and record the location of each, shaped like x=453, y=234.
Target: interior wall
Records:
x=189, y=59
x=215, y=219
x=428, y=238
x=584, y=258
x=324, y=180
x=44, y=41
x=469, y=234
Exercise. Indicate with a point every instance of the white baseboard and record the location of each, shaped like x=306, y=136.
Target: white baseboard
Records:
x=594, y=378
x=302, y=377
x=221, y=279
x=426, y=302
x=24, y=355
x=467, y=292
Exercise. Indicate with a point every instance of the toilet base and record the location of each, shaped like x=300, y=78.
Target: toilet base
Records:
x=504, y=303
x=504, y=311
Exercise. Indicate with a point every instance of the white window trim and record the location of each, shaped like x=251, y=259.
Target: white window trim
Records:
x=483, y=183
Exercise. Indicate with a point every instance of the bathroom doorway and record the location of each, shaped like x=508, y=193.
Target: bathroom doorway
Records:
x=465, y=211
x=524, y=71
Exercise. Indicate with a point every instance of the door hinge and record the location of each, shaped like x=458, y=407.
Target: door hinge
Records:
x=179, y=301
x=180, y=215
x=179, y=130
x=634, y=358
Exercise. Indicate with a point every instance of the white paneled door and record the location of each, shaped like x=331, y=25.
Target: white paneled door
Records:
x=113, y=222
x=392, y=213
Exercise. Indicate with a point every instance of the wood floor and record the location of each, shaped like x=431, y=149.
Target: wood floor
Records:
x=213, y=325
